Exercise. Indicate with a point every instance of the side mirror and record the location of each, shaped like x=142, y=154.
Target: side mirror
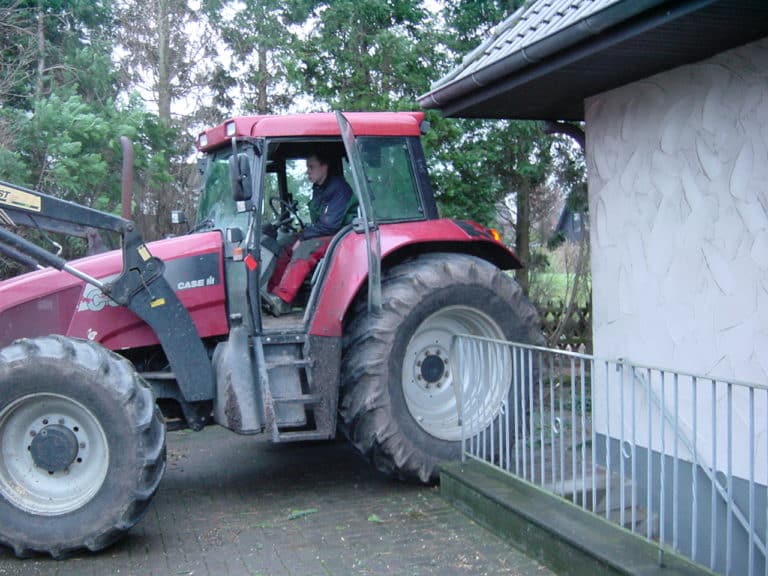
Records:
x=240, y=177
x=178, y=217
x=234, y=235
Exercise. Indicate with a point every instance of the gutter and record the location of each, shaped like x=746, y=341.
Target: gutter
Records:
x=454, y=86
x=479, y=51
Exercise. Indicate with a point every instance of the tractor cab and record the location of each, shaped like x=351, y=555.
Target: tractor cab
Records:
x=255, y=186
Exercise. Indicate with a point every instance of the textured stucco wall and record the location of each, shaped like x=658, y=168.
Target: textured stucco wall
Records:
x=678, y=185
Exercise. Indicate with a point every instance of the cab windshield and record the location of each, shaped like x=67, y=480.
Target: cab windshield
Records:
x=217, y=209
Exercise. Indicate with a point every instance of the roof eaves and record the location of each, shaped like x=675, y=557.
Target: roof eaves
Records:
x=469, y=75
x=476, y=54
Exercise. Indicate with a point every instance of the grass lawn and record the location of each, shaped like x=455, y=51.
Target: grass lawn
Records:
x=556, y=286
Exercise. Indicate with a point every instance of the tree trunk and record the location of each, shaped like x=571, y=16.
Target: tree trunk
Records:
x=40, y=80
x=163, y=63
x=262, y=106
x=157, y=198
x=572, y=298
x=523, y=234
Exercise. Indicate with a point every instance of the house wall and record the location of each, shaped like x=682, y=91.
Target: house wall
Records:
x=678, y=186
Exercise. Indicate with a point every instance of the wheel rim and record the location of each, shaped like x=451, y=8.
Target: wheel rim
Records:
x=428, y=374
x=42, y=431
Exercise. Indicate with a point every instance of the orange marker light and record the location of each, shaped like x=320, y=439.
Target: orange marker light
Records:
x=495, y=234
x=251, y=262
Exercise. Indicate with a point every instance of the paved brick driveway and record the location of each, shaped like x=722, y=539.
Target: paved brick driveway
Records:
x=236, y=505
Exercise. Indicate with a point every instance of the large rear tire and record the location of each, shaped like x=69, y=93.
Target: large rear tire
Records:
x=398, y=403
x=82, y=446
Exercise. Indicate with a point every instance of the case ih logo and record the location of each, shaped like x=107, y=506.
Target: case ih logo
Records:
x=200, y=283
x=182, y=274
x=94, y=300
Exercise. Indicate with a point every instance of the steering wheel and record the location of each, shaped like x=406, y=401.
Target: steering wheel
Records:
x=280, y=206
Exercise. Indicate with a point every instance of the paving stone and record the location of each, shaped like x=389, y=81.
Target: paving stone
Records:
x=231, y=505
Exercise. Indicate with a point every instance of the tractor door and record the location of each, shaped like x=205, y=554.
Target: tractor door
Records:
x=363, y=192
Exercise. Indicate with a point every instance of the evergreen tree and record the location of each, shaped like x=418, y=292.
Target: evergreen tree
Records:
x=367, y=54
x=477, y=164
x=261, y=76
x=166, y=50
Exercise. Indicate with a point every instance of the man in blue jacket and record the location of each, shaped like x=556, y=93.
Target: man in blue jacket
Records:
x=329, y=207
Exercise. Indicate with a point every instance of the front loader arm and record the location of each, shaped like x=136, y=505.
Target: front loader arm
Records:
x=141, y=287
x=23, y=207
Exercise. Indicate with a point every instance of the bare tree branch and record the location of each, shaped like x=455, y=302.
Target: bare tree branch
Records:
x=566, y=128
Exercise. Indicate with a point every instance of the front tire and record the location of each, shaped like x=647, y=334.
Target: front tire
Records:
x=82, y=446
x=398, y=403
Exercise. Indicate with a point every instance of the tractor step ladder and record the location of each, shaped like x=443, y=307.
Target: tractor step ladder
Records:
x=296, y=408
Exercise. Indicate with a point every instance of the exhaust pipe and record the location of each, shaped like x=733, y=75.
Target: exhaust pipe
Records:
x=127, y=176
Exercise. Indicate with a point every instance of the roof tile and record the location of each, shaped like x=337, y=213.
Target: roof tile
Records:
x=529, y=25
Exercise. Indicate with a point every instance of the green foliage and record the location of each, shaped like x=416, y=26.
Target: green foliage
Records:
x=66, y=97
x=475, y=164
x=461, y=190
x=68, y=132
x=264, y=76
x=70, y=148
x=470, y=20
x=367, y=54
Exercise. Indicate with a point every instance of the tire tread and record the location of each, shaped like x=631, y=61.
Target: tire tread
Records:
x=364, y=405
x=119, y=377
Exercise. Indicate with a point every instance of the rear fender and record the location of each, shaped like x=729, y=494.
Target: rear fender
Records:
x=347, y=271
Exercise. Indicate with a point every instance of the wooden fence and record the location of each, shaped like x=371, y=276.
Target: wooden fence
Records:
x=577, y=332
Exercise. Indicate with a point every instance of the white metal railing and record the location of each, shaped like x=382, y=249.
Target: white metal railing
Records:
x=678, y=458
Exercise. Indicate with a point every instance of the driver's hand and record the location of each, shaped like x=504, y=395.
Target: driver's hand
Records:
x=269, y=230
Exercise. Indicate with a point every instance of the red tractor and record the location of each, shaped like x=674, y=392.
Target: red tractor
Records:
x=100, y=355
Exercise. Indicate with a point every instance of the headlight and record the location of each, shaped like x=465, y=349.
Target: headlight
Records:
x=202, y=140
x=230, y=128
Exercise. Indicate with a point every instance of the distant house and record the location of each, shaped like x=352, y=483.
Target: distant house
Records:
x=571, y=225
x=674, y=95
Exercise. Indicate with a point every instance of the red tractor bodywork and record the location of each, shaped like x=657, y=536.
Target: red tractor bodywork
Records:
x=314, y=125
x=349, y=269
x=197, y=267
x=53, y=302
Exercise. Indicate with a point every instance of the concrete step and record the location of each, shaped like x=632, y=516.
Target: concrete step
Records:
x=596, y=490
x=546, y=527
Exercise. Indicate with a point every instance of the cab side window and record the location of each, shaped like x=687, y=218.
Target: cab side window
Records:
x=388, y=168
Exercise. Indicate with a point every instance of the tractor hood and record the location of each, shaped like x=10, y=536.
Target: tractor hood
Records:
x=53, y=302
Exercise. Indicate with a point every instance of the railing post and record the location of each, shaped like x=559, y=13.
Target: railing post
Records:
x=633, y=519
x=751, y=556
x=695, y=481
x=608, y=479
x=622, y=448
x=729, y=505
x=713, y=512
x=649, y=478
x=592, y=372
x=675, y=471
x=541, y=416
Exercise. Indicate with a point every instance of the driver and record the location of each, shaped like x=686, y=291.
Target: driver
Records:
x=328, y=208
